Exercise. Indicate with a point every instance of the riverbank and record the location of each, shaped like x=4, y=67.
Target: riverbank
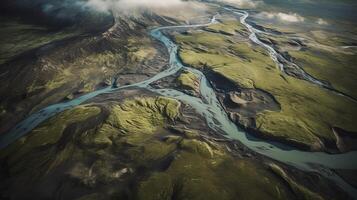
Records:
x=152, y=149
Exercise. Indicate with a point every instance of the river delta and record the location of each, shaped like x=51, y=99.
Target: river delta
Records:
x=215, y=104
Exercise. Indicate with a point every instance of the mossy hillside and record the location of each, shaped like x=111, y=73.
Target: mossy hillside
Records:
x=193, y=175
x=207, y=39
x=92, y=67
x=339, y=69
x=197, y=147
x=160, y=165
x=70, y=70
x=81, y=76
x=187, y=133
x=136, y=148
x=307, y=111
x=148, y=151
x=88, y=69
x=321, y=54
x=47, y=147
x=280, y=42
x=140, y=49
x=137, y=123
x=21, y=37
x=226, y=27
x=47, y=134
x=251, y=53
x=73, y=67
x=332, y=39
x=222, y=64
x=144, y=115
x=188, y=80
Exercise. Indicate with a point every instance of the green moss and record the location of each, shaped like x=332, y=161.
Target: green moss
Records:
x=191, y=134
x=124, y=129
x=41, y=150
x=331, y=38
x=300, y=191
x=102, y=155
x=140, y=49
x=307, y=111
x=186, y=132
x=91, y=75
x=219, y=63
x=339, y=69
x=191, y=176
x=207, y=39
x=158, y=187
x=100, y=138
x=50, y=131
x=149, y=151
x=46, y=148
x=226, y=27
x=188, y=80
x=152, y=112
x=197, y=146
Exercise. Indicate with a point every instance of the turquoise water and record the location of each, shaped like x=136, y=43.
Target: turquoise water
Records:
x=215, y=115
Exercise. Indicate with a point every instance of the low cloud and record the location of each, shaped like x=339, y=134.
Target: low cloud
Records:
x=244, y=3
x=125, y=5
x=285, y=17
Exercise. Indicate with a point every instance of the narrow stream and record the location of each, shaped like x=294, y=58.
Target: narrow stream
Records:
x=216, y=118
x=276, y=57
x=283, y=64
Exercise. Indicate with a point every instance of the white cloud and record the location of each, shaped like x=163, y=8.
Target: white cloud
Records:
x=244, y=3
x=285, y=17
x=107, y=5
x=321, y=21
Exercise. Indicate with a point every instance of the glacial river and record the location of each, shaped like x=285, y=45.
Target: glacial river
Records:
x=211, y=109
